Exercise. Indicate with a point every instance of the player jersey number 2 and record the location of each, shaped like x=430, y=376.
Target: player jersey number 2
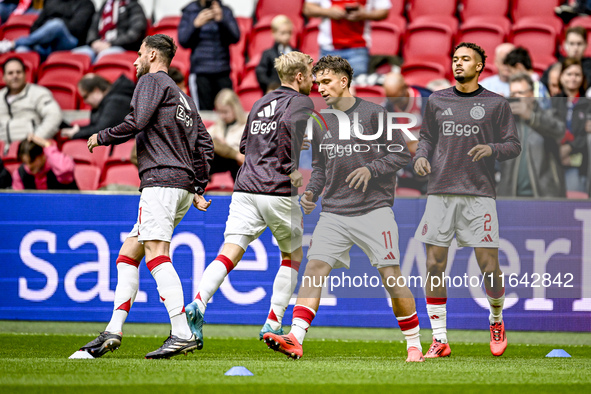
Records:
x=488, y=218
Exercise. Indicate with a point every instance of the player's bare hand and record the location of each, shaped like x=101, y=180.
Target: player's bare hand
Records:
x=306, y=144
x=200, y=202
x=422, y=166
x=360, y=176
x=480, y=152
x=297, y=179
x=92, y=142
x=307, y=202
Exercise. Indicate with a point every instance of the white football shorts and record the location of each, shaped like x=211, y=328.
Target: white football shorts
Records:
x=161, y=209
x=472, y=219
x=376, y=233
x=250, y=214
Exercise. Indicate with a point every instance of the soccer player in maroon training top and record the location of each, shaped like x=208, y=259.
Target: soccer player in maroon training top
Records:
x=465, y=129
x=358, y=178
x=174, y=150
x=265, y=192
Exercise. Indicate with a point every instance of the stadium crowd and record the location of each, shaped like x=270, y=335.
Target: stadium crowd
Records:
x=64, y=54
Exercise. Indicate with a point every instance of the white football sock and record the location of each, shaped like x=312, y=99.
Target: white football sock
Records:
x=171, y=293
x=496, y=308
x=212, y=278
x=438, y=317
x=128, y=280
x=299, y=329
x=409, y=325
x=283, y=288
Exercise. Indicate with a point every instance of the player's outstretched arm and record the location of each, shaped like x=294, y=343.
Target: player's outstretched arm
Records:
x=307, y=202
x=422, y=166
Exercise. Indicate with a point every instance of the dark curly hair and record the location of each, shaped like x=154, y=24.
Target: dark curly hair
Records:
x=336, y=64
x=475, y=48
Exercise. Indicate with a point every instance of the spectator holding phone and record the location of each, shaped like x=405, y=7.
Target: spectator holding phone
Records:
x=208, y=28
x=345, y=29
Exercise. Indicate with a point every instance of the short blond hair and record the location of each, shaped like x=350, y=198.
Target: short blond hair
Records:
x=279, y=21
x=290, y=64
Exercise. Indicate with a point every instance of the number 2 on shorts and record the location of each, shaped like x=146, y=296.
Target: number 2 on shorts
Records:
x=487, y=222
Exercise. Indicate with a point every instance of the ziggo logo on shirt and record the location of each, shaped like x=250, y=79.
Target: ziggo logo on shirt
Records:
x=450, y=128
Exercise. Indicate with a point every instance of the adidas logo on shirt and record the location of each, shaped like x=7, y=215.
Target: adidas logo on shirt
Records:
x=268, y=110
x=327, y=135
x=390, y=256
x=447, y=112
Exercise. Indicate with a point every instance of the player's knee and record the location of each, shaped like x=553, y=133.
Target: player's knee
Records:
x=435, y=266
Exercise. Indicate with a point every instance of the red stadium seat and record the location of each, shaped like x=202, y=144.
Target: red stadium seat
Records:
x=207, y=123
x=420, y=73
x=2, y=148
x=291, y=8
x=425, y=39
x=309, y=39
x=249, y=78
x=470, y=8
x=539, y=40
x=385, y=39
x=11, y=166
x=551, y=21
x=78, y=150
x=64, y=93
x=121, y=153
x=396, y=15
x=417, y=8
x=446, y=20
x=478, y=20
x=111, y=67
x=248, y=96
x=12, y=153
x=488, y=37
x=17, y=26
x=70, y=68
x=220, y=182
x=374, y=94
x=121, y=174
x=521, y=8
x=87, y=176
x=171, y=22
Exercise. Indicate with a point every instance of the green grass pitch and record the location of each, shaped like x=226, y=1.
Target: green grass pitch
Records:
x=34, y=359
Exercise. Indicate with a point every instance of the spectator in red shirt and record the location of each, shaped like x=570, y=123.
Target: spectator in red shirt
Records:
x=44, y=167
x=16, y=7
x=345, y=29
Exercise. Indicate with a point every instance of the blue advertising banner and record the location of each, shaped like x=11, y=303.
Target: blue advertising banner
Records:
x=58, y=254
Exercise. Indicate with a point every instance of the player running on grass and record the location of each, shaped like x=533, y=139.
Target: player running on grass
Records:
x=356, y=207
x=265, y=193
x=465, y=129
x=174, y=150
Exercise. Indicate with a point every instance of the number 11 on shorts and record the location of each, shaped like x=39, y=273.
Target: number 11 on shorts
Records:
x=389, y=237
